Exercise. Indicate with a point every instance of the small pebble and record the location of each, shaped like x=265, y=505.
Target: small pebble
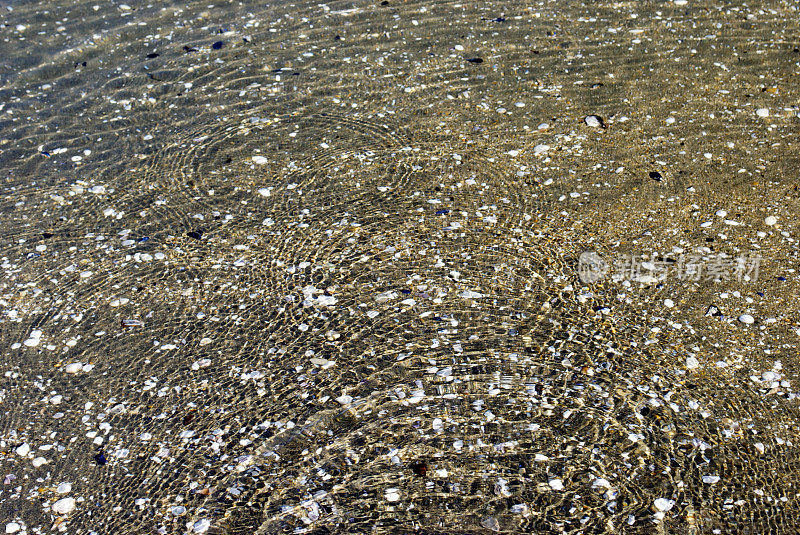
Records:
x=64, y=506
x=23, y=450
x=556, y=484
x=13, y=527
x=595, y=121
x=491, y=523
x=73, y=367
x=64, y=488
x=669, y=303
x=201, y=526
x=770, y=220
x=663, y=504
x=344, y=399
x=746, y=318
x=601, y=482
x=762, y=112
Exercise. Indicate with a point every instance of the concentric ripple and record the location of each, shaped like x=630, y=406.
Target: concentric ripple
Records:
x=314, y=268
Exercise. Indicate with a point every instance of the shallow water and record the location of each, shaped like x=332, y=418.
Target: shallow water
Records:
x=400, y=267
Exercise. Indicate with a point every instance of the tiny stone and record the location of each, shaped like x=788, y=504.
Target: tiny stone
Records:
x=595, y=121
x=762, y=112
x=64, y=506
x=669, y=303
x=770, y=220
x=692, y=363
x=491, y=523
x=13, y=527
x=601, y=482
x=201, y=526
x=710, y=479
x=74, y=367
x=23, y=450
x=746, y=318
x=556, y=484
x=64, y=488
x=663, y=504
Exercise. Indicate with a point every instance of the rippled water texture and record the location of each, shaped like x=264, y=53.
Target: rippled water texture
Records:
x=314, y=268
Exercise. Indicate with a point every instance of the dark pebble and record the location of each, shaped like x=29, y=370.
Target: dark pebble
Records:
x=100, y=459
x=713, y=311
x=187, y=48
x=217, y=45
x=475, y=60
x=655, y=175
x=385, y=3
x=781, y=278
x=420, y=468
x=442, y=212
x=195, y=234
x=152, y=55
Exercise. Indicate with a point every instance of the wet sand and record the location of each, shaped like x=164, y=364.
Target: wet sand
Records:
x=399, y=267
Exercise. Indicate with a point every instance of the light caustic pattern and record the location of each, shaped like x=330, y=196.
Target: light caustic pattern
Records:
x=314, y=269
